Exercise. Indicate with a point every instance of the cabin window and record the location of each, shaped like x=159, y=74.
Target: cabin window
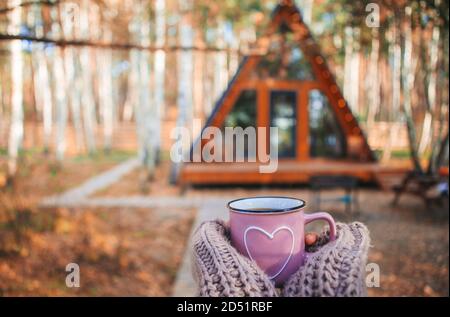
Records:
x=325, y=135
x=243, y=113
x=283, y=105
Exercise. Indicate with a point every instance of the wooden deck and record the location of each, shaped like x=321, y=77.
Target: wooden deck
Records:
x=288, y=172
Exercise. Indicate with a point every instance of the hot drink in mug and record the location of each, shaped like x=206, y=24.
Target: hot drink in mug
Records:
x=270, y=230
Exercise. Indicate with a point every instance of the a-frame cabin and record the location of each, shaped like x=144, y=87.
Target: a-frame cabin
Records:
x=288, y=84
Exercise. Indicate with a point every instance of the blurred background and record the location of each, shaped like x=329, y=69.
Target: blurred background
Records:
x=91, y=89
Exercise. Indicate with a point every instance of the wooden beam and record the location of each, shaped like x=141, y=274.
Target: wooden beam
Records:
x=263, y=113
x=302, y=125
x=288, y=172
x=114, y=46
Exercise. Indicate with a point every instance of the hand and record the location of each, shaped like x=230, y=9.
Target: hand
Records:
x=310, y=239
x=334, y=268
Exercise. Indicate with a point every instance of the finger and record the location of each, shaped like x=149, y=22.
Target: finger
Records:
x=310, y=238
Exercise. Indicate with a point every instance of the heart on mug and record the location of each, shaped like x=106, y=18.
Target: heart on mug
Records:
x=270, y=236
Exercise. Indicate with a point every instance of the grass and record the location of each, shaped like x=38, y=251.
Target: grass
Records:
x=403, y=154
x=102, y=156
x=36, y=156
x=112, y=155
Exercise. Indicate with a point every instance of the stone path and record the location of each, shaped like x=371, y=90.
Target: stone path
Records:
x=96, y=183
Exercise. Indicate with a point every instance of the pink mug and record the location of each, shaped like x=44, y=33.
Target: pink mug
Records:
x=270, y=230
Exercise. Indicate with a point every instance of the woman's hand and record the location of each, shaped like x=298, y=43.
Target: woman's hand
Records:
x=310, y=238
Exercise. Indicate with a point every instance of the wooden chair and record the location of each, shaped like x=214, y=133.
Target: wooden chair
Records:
x=420, y=184
x=326, y=182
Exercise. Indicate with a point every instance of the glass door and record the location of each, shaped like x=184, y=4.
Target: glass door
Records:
x=283, y=115
x=326, y=139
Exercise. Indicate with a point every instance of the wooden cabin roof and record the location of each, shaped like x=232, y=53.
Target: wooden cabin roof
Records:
x=288, y=15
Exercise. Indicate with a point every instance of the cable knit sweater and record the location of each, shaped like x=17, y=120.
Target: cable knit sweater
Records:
x=336, y=268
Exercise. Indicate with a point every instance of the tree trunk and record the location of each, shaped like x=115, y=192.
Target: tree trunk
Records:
x=89, y=113
x=441, y=106
x=89, y=116
x=396, y=51
x=104, y=63
x=373, y=82
x=47, y=111
x=409, y=66
x=396, y=70
x=159, y=71
x=37, y=83
x=140, y=80
x=233, y=57
x=442, y=155
x=70, y=24
x=17, y=113
x=145, y=102
x=185, y=109
x=198, y=98
x=221, y=72
x=131, y=99
x=428, y=136
x=355, y=71
x=61, y=103
x=73, y=90
x=208, y=88
x=59, y=89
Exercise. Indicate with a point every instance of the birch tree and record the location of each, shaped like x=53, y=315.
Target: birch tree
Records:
x=395, y=51
x=104, y=62
x=221, y=69
x=373, y=82
x=185, y=108
x=145, y=100
x=351, y=68
x=208, y=80
x=430, y=81
x=396, y=67
x=439, y=154
x=409, y=61
x=159, y=70
x=145, y=112
x=233, y=56
x=198, y=78
x=88, y=102
x=17, y=114
x=70, y=21
x=131, y=98
x=59, y=89
x=42, y=90
x=185, y=69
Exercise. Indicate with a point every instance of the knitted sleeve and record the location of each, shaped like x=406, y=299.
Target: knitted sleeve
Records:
x=221, y=271
x=336, y=268
x=331, y=269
